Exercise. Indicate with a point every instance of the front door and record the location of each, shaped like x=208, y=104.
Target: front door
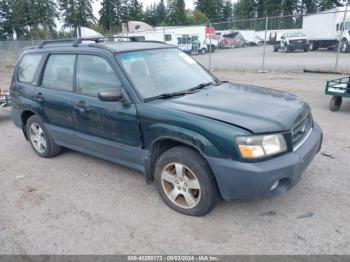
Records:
x=106, y=129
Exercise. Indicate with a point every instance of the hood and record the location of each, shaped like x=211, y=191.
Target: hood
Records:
x=297, y=38
x=258, y=109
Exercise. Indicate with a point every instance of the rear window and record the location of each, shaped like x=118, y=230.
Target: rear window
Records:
x=59, y=72
x=27, y=67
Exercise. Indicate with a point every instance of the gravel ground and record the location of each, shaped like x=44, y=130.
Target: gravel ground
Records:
x=77, y=204
x=250, y=58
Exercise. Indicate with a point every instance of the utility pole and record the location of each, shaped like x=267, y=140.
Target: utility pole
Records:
x=341, y=36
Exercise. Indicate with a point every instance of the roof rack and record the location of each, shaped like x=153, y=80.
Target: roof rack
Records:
x=54, y=41
x=99, y=39
x=96, y=39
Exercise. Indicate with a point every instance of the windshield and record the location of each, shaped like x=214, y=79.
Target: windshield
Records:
x=295, y=34
x=347, y=25
x=163, y=71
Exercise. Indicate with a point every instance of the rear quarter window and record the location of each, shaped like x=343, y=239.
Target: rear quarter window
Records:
x=28, y=67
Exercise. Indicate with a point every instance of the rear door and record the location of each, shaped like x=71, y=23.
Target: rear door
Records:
x=54, y=94
x=25, y=82
x=107, y=129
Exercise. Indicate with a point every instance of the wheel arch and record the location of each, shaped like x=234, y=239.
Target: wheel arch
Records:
x=163, y=144
x=25, y=115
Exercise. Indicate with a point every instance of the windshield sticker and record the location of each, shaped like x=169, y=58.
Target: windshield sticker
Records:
x=188, y=59
x=130, y=57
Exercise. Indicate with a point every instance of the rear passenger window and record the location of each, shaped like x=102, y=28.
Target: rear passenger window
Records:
x=94, y=73
x=28, y=67
x=59, y=72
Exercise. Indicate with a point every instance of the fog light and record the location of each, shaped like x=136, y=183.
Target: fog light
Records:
x=274, y=185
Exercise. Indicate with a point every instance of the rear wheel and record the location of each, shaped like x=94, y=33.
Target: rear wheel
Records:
x=335, y=103
x=40, y=139
x=185, y=183
x=275, y=48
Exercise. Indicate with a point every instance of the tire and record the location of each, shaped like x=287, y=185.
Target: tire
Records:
x=286, y=49
x=36, y=131
x=203, y=51
x=202, y=193
x=306, y=48
x=313, y=46
x=275, y=48
x=344, y=46
x=335, y=103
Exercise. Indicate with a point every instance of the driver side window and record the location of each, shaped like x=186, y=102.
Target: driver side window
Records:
x=93, y=74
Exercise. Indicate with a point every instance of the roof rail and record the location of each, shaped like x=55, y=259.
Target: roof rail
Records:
x=98, y=39
x=54, y=41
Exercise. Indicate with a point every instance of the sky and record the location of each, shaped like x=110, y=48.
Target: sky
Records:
x=97, y=5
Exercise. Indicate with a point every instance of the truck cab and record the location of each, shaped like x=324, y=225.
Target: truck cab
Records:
x=292, y=41
x=343, y=36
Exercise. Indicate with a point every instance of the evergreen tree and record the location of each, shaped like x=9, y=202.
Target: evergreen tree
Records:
x=227, y=10
x=135, y=11
x=309, y=6
x=177, y=13
x=6, y=29
x=211, y=8
x=107, y=14
x=161, y=12
x=77, y=13
x=150, y=15
x=328, y=4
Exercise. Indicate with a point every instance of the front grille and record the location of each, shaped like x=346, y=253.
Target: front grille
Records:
x=301, y=131
x=301, y=41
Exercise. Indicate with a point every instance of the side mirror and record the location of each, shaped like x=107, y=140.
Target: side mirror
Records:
x=110, y=95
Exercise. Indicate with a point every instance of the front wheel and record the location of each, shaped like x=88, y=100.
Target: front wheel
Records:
x=185, y=183
x=344, y=46
x=335, y=103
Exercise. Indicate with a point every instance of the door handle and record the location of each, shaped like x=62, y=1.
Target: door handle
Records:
x=39, y=97
x=81, y=106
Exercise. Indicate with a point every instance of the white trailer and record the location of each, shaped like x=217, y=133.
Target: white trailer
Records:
x=326, y=29
x=191, y=39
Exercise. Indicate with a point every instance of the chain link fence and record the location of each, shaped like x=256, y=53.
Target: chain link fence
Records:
x=314, y=42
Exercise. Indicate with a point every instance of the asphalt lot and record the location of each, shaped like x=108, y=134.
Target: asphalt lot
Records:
x=77, y=204
x=251, y=58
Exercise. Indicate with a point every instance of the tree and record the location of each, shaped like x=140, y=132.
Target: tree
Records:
x=161, y=11
x=196, y=17
x=328, y=4
x=107, y=14
x=211, y=8
x=150, y=15
x=177, y=13
x=6, y=30
x=77, y=13
x=244, y=9
x=135, y=10
x=308, y=6
x=227, y=10
x=44, y=13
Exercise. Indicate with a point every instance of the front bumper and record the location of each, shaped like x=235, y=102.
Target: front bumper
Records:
x=301, y=46
x=241, y=180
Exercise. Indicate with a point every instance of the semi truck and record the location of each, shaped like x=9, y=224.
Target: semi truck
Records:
x=326, y=29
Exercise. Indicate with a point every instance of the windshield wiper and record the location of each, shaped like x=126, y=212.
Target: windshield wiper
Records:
x=180, y=93
x=200, y=86
x=167, y=95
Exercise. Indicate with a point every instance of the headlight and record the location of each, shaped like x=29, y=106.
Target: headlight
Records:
x=252, y=147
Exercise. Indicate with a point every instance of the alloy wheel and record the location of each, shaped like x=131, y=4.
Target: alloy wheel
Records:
x=37, y=137
x=181, y=185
